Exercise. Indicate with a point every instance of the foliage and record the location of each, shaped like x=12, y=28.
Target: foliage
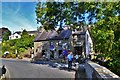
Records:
x=52, y=14
x=5, y=47
x=13, y=55
x=27, y=55
x=106, y=34
x=104, y=18
x=24, y=42
x=24, y=32
x=21, y=45
x=20, y=57
x=5, y=35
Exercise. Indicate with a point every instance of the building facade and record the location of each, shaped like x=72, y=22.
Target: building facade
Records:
x=52, y=43
x=15, y=35
x=18, y=34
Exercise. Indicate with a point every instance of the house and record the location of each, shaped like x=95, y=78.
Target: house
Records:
x=79, y=42
x=32, y=32
x=52, y=42
x=83, y=43
x=63, y=41
x=15, y=35
x=42, y=43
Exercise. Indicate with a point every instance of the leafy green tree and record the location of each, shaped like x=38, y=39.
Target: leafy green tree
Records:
x=20, y=45
x=5, y=47
x=50, y=14
x=5, y=35
x=105, y=33
x=24, y=32
x=104, y=18
x=24, y=43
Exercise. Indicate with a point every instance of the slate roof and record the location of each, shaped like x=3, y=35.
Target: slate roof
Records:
x=32, y=32
x=64, y=34
x=53, y=35
x=44, y=36
x=29, y=32
x=41, y=36
x=18, y=32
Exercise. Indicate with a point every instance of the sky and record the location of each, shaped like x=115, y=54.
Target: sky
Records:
x=17, y=16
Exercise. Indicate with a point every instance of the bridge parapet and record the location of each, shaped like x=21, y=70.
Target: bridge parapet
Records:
x=95, y=71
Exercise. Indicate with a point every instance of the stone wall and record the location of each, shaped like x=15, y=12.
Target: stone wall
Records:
x=96, y=72
x=36, y=45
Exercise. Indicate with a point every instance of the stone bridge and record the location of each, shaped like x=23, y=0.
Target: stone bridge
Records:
x=94, y=71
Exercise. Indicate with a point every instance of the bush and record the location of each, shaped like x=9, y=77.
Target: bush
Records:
x=13, y=55
x=27, y=55
x=114, y=66
x=20, y=57
x=21, y=50
x=3, y=56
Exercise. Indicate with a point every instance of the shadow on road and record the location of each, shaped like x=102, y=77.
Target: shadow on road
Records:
x=79, y=73
x=53, y=64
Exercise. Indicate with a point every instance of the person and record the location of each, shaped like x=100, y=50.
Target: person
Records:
x=65, y=53
x=76, y=61
x=77, y=58
x=3, y=71
x=32, y=54
x=70, y=59
x=47, y=52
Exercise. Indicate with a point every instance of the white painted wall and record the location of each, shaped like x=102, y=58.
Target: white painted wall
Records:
x=14, y=36
x=89, y=43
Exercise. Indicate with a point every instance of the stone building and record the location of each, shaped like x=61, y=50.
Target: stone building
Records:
x=52, y=42
x=79, y=42
x=55, y=44
x=42, y=42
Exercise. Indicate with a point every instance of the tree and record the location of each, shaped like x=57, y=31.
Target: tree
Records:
x=5, y=35
x=106, y=33
x=24, y=42
x=24, y=32
x=104, y=18
x=20, y=45
x=51, y=14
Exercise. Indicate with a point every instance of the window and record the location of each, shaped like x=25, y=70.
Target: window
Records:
x=16, y=36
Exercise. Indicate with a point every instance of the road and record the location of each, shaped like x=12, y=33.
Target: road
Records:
x=25, y=69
